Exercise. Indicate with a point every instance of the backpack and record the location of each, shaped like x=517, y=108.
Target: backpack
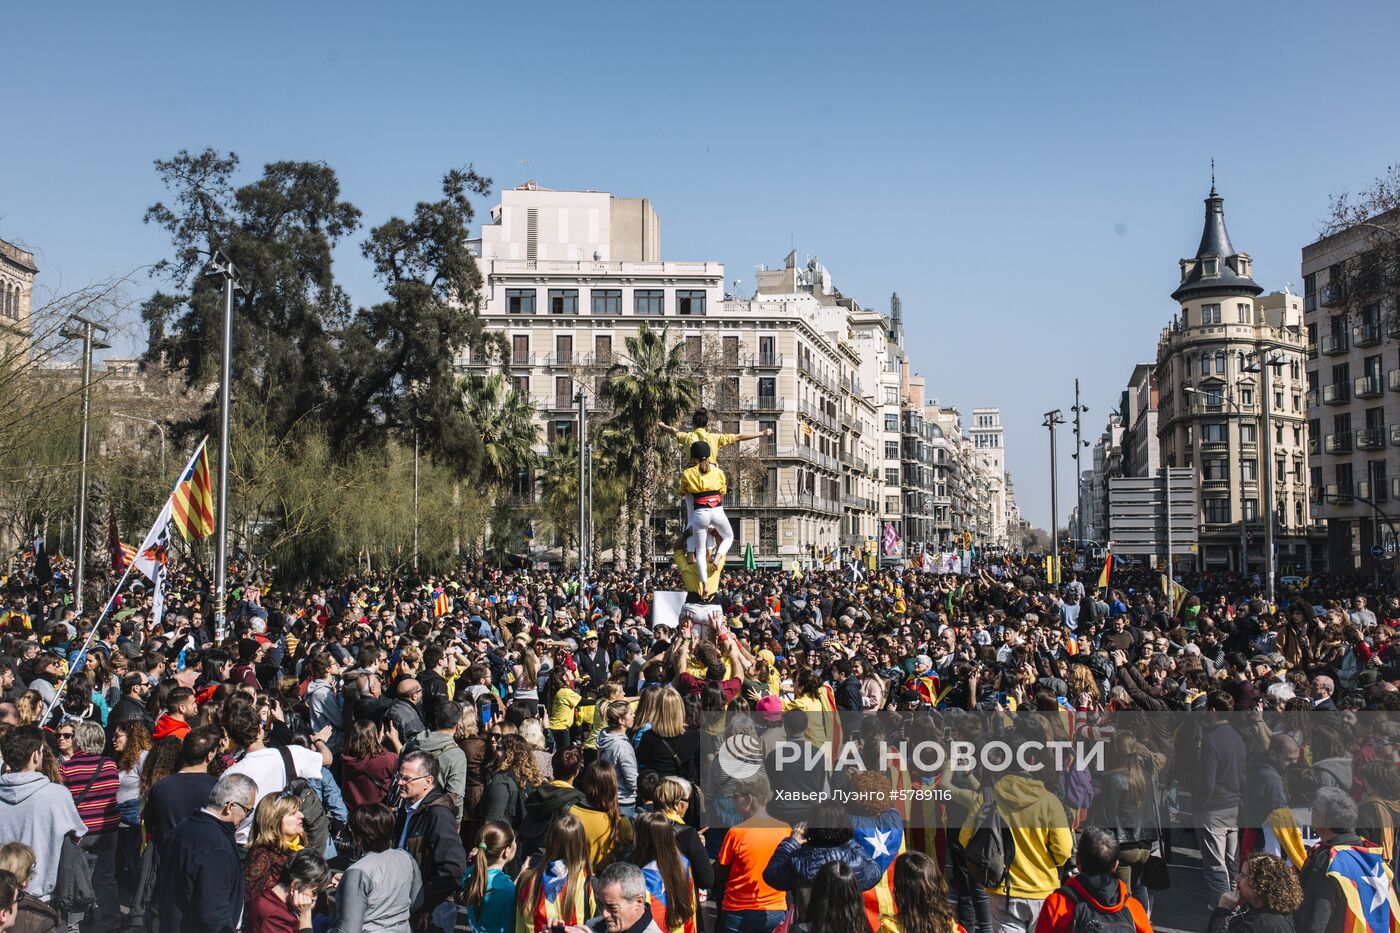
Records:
x=991, y=849
x=317, y=821
x=1089, y=919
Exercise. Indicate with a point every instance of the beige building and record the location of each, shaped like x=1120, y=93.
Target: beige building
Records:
x=1212, y=399
x=17, y=272
x=568, y=276
x=1353, y=406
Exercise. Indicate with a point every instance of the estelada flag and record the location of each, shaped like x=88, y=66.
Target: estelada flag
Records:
x=1176, y=593
x=193, y=499
x=442, y=603
x=1369, y=888
x=1107, y=570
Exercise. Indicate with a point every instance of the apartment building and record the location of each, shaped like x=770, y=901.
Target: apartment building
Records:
x=1214, y=401
x=568, y=276
x=988, y=442
x=1353, y=401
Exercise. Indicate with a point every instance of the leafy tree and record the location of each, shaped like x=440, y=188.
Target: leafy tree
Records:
x=300, y=350
x=650, y=385
x=280, y=232
x=506, y=426
x=557, y=508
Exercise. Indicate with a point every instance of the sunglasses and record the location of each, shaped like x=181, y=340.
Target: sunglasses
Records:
x=65, y=735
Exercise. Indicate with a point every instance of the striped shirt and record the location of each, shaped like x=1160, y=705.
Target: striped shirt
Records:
x=98, y=806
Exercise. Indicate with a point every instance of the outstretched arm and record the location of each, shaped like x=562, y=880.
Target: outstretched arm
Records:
x=766, y=432
x=667, y=428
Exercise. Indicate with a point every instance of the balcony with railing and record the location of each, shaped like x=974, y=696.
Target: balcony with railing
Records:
x=767, y=403
x=1338, y=443
x=814, y=413
x=1367, y=386
x=1395, y=435
x=1334, y=344
x=1392, y=380
x=1370, y=438
x=1311, y=398
x=1332, y=295
x=1366, y=335
x=766, y=361
x=1313, y=446
x=1338, y=393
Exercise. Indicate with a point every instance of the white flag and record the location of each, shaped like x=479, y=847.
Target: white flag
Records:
x=150, y=560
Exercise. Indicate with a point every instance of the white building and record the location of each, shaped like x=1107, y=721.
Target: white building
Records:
x=988, y=442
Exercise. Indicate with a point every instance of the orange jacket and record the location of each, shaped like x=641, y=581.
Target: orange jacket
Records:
x=169, y=725
x=1057, y=914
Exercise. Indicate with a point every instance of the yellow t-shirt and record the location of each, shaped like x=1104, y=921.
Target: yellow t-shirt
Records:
x=716, y=441
x=712, y=480
x=561, y=708
x=602, y=850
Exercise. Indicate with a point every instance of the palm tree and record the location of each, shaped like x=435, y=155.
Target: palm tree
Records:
x=505, y=421
x=558, y=505
x=651, y=385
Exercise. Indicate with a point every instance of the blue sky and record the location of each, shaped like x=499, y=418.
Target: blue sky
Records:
x=1024, y=175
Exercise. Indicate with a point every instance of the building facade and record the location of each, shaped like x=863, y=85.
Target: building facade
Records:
x=17, y=272
x=989, y=449
x=1214, y=395
x=1353, y=407
x=569, y=276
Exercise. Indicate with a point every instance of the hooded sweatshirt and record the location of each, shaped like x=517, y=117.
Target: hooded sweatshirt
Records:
x=1105, y=894
x=1039, y=826
x=452, y=766
x=614, y=747
x=38, y=813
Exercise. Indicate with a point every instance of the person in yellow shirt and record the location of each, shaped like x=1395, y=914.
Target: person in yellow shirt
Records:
x=700, y=432
x=703, y=485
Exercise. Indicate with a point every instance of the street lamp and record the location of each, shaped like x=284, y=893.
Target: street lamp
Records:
x=1260, y=359
x=1229, y=398
x=1052, y=419
x=155, y=424
x=221, y=266
x=1079, y=443
x=94, y=337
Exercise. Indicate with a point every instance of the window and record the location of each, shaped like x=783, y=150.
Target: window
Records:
x=693, y=348
x=606, y=301
x=1247, y=434
x=1344, y=478
x=1250, y=468
x=891, y=450
x=1297, y=471
x=729, y=350
x=563, y=301
x=1205, y=363
x=648, y=301
x=1220, y=362
x=891, y=476
x=1251, y=510
x=563, y=391
x=1210, y=267
x=1379, y=490
x=520, y=349
x=1213, y=432
x=690, y=302
x=1217, y=510
x=520, y=301
x=1242, y=309
x=1246, y=396
x=521, y=384
x=1210, y=314
x=602, y=350
x=891, y=422
x=563, y=349
x=1215, y=468
x=891, y=504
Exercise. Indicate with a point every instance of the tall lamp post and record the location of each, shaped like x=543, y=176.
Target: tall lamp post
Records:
x=94, y=337
x=221, y=266
x=1079, y=444
x=1052, y=420
x=1229, y=399
x=1259, y=361
x=579, y=398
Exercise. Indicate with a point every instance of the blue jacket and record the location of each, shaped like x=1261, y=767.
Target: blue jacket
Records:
x=200, y=886
x=794, y=866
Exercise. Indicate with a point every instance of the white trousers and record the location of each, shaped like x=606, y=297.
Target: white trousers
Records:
x=701, y=521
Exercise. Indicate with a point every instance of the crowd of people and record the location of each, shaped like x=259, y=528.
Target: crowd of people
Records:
x=517, y=751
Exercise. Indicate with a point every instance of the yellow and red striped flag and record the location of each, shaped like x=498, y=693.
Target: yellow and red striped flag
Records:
x=442, y=604
x=1107, y=571
x=193, y=499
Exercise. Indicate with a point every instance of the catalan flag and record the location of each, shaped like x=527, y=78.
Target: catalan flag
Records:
x=442, y=603
x=1367, y=885
x=193, y=499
